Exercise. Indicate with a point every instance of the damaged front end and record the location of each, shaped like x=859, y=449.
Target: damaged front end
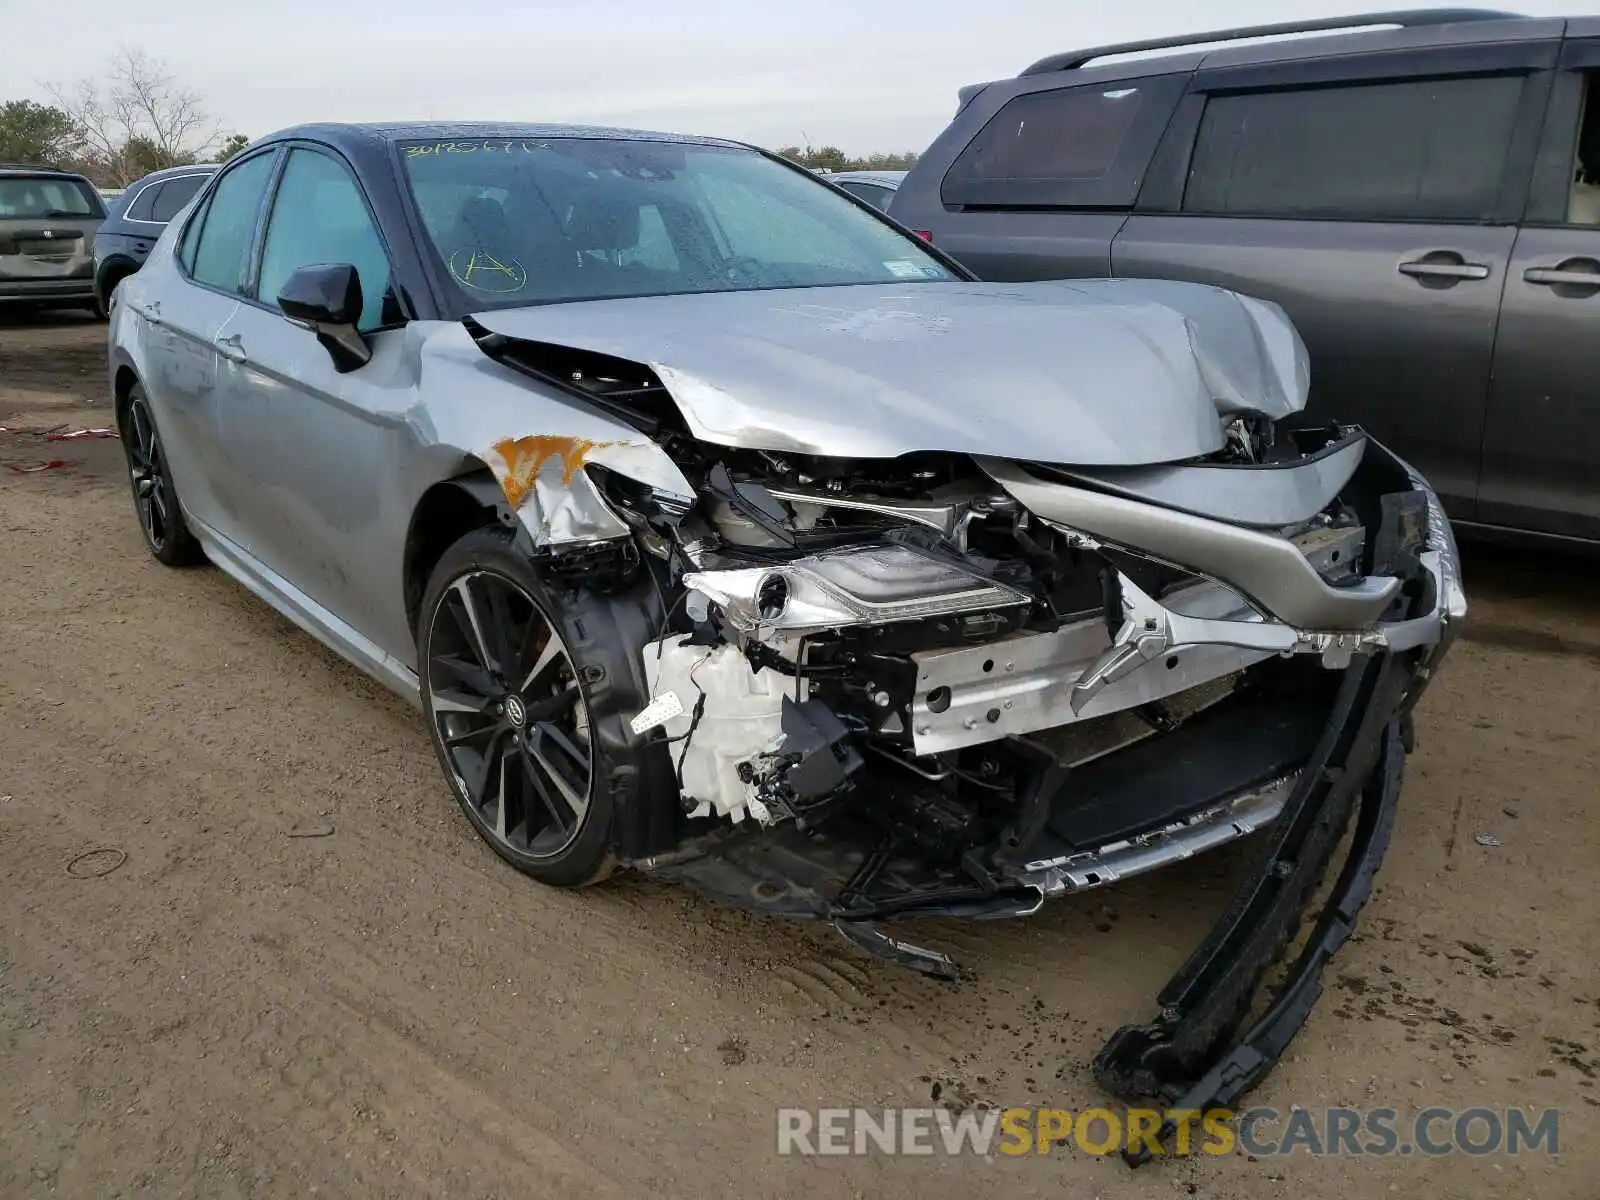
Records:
x=950, y=684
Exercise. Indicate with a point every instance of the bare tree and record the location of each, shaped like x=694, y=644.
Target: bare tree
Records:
x=134, y=116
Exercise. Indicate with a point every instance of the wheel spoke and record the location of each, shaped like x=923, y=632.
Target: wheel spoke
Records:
x=469, y=735
x=472, y=628
x=551, y=771
x=558, y=705
x=500, y=798
x=500, y=627
x=548, y=655
x=558, y=738
x=457, y=702
x=478, y=771
x=144, y=433
x=469, y=675
x=561, y=814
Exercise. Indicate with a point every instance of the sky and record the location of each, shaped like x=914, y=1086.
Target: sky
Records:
x=865, y=75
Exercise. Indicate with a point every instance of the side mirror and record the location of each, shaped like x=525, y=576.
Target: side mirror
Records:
x=326, y=299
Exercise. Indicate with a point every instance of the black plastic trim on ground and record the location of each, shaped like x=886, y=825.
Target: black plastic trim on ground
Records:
x=1191, y=1053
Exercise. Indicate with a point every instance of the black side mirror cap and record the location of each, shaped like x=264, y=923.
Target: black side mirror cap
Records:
x=326, y=298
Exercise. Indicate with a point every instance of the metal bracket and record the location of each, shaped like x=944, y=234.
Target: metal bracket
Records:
x=1150, y=630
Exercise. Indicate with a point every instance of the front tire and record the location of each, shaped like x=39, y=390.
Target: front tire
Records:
x=155, y=498
x=508, y=711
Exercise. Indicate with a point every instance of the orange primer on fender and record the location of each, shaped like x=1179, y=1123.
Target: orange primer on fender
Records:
x=524, y=457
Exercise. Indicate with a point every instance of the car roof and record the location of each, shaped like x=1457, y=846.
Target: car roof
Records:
x=888, y=178
x=349, y=136
x=39, y=171
x=166, y=172
x=1373, y=30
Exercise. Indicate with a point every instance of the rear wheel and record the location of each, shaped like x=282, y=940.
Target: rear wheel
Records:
x=510, y=722
x=155, y=499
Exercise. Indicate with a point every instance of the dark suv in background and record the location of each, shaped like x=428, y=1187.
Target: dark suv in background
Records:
x=1423, y=199
x=48, y=220
x=137, y=217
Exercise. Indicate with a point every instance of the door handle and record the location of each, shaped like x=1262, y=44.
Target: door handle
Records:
x=1422, y=268
x=230, y=347
x=1574, y=272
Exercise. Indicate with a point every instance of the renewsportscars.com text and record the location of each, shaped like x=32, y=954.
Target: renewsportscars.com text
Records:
x=1262, y=1132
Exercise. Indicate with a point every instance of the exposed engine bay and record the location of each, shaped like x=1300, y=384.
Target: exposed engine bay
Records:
x=916, y=687
x=951, y=684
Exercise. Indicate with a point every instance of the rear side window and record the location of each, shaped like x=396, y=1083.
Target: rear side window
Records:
x=1085, y=146
x=874, y=195
x=1419, y=150
x=139, y=210
x=174, y=194
x=230, y=224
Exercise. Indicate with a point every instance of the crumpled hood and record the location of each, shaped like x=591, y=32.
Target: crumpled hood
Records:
x=1091, y=372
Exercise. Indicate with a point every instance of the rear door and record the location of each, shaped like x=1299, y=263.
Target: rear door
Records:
x=1035, y=176
x=180, y=311
x=1375, y=197
x=1542, y=438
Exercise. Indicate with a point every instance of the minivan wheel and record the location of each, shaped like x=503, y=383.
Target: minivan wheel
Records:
x=155, y=499
x=504, y=696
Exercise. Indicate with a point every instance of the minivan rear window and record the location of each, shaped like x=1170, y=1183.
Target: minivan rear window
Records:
x=47, y=197
x=1084, y=146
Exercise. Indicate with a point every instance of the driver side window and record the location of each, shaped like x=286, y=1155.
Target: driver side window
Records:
x=320, y=216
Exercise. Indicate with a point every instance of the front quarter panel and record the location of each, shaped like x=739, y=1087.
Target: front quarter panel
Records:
x=534, y=441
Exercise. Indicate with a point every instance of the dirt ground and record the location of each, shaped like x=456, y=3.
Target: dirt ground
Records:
x=305, y=973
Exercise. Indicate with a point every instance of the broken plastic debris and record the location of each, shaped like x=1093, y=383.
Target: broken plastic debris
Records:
x=658, y=712
x=73, y=435
x=1487, y=839
x=31, y=468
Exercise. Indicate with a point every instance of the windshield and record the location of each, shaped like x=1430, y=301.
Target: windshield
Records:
x=534, y=221
x=46, y=196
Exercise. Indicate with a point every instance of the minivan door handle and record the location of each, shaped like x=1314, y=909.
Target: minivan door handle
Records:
x=1444, y=265
x=1574, y=272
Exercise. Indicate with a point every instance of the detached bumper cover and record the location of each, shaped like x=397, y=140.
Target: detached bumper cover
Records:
x=1191, y=1056
x=1198, y=1053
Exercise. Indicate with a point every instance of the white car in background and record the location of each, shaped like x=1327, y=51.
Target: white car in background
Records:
x=877, y=188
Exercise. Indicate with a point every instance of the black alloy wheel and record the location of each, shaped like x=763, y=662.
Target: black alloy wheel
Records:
x=506, y=708
x=155, y=500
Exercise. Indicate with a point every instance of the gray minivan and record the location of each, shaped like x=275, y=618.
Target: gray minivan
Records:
x=1423, y=198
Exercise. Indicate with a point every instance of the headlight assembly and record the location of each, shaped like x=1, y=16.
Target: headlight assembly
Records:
x=868, y=585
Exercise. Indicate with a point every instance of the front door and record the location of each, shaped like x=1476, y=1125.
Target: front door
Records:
x=1543, y=432
x=316, y=453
